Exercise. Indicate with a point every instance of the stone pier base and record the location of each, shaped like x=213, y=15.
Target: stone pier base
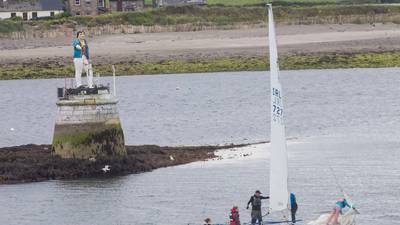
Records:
x=88, y=126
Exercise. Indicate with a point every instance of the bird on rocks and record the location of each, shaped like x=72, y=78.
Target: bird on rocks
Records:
x=106, y=168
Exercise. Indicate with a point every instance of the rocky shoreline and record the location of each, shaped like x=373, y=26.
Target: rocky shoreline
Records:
x=33, y=163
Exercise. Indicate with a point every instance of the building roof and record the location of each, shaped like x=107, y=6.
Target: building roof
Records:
x=31, y=5
x=52, y=4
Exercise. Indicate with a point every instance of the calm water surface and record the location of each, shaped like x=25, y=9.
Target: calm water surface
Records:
x=345, y=119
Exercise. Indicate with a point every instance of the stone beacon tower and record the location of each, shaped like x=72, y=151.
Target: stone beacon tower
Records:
x=87, y=124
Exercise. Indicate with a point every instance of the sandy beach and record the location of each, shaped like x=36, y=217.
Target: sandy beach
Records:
x=154, y=47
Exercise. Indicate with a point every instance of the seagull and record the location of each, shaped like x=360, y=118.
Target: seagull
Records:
x=171, y=158
x=106, y=168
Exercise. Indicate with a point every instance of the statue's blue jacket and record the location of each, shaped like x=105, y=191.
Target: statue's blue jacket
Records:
x=78, y=52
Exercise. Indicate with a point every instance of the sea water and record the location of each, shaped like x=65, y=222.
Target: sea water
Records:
x=343, y=129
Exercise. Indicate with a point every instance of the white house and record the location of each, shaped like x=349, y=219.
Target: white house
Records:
x=30, y=9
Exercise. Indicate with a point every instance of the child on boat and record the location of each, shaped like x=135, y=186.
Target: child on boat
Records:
x=337, y=210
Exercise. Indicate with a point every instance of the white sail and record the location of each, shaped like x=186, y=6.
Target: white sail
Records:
x=279, y=171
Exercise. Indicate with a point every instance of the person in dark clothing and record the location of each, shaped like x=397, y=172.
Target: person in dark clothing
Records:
x=255, y=202
x=293, y=207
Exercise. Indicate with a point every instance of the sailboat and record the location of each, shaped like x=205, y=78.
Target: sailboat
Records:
x=278, y=186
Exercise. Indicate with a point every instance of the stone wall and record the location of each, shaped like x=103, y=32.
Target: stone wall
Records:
x=86, y=113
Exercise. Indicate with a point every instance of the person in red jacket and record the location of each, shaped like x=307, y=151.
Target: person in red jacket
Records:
x=234, y=216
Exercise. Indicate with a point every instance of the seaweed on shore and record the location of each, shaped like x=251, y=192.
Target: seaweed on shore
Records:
x=287, y=62
x=31, y=163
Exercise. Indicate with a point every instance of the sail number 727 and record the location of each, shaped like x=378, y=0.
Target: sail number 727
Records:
x=277, y=108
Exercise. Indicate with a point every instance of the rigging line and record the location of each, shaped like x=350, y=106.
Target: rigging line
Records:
x=345, y=195
x=341, y=189
x=336, y=180
x=267, y=213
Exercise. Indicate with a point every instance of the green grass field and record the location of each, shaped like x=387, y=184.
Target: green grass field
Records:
x=236, y=2
x=217, y=16
x=258, y=2
x=288, y=2
x=226, y=2
x=278, y=2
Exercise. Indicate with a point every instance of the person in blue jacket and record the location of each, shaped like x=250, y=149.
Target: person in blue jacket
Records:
x=293, y=207
x=337, y=210
x=81, y=59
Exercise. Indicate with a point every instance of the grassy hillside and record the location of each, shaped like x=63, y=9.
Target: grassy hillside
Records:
x=236, y=2
x=295, y=2
x=204, y=16
x=289, y=2
x=217, y=16
x=275, y=2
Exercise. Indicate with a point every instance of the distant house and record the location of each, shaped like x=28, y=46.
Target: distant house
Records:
x=95, y=7
x=126, y=5
x=87, y=7
x=161, y=3
x=30, y=9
